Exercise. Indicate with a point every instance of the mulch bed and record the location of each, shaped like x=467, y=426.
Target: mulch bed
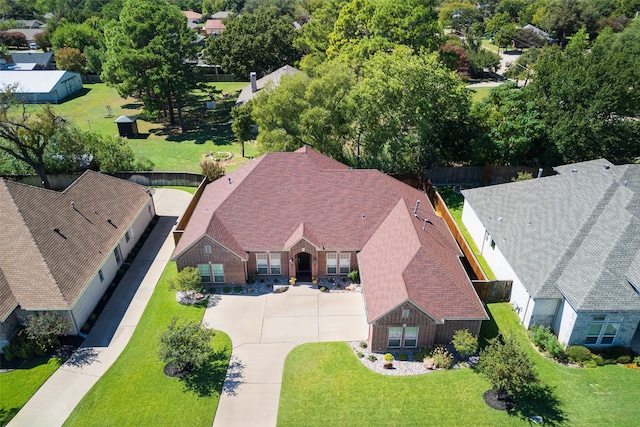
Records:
x=499, y=401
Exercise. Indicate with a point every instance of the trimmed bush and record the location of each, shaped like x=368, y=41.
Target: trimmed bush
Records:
x=403, y=357
x=363, y=344
x=388, y=357
x=226, y=290
x=546, y=341
x=425, y=352
x=579, y=354
x=637, y=360
x=623, y=360
x=360, y=354
x=442, y=358
x=237, y=289
x=465, y=342
x=372, y=358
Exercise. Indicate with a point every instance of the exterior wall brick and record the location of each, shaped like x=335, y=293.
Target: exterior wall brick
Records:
x=252, y=264
x=379, y=333
x=234, y=267
x=445, y=331
x=308, y=248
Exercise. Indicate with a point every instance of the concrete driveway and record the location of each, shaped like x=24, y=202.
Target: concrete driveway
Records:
x=263, y=331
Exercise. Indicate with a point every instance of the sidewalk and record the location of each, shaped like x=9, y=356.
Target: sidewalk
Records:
x=56, y=399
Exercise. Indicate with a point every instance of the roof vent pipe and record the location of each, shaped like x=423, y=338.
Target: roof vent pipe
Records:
x=254, y=83
x=539, y=172
x=415, y=210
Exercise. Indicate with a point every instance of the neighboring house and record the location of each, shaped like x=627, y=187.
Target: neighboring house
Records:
x=221, y=15
x=42, y=61
x=41, y=87
x=255, y=85
x=30, y=23
x=302, y=214
x=61, y=250
x=29, y=33
x=571, y=245
x=193, y=19
x=537, y=31
x=214, y=27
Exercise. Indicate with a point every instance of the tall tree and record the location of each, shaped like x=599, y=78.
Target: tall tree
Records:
x=24, y=136
x=260, y=42
x=412, y=112
x=146, y=53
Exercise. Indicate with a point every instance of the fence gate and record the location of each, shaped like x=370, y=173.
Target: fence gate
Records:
x=494, y=290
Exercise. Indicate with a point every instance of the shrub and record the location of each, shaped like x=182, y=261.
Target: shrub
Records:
x=363, y=344
x=185, y=344
x=388, y=357
x=252, y=278
x=403, y=357
x=546, y=341
x=624, y=359
x=465, y=342
x=226, y=290
x=442, y=358
x=45, y=329
x=637, y=360
x=372, y=358
x=237, y=289
x=599, y=360
x=187, y=280
x=360, y=354
x=211, y=169
x=615, y=352
x=353, y=275
x=425, y=352
x=579, y=354
x=590, y=364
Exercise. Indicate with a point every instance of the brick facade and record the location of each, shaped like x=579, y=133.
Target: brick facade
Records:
x=234, y=266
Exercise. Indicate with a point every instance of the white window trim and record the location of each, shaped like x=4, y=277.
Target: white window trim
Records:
x=207, y=249
x=333, y=256
x=265, y=258
x=399, y=338
x=404, y=336
x=208, y=266
x=344, y=256
x=618, y=321
x=272, y=265
x=213, y=271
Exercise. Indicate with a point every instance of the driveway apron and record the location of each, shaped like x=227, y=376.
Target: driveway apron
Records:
x=263, y=330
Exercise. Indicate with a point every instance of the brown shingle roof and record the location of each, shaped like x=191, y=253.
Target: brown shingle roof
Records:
x=7, y=300
x=281, y=198
x=54, y=243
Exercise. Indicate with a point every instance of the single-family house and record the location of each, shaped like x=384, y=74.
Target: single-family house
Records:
x=39, y=87
x=193, y=19
x=61, y=250
x=255, y=84
x=302, y=214
x=30, y=23
x=571, y=245
x=221, y=14
x=29, y=33
x=214, y=27
x=42, y=60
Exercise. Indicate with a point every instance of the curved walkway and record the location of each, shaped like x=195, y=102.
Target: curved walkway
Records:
x=263, y=330
x=59, y=395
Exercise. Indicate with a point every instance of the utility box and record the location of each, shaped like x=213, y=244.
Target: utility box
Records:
x=127, y=126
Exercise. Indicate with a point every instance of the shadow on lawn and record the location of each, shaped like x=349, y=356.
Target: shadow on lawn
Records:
x=488, y=330
x=539, y=400
x=210, y=377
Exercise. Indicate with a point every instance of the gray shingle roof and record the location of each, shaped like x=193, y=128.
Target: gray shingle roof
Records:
x=274, y=79
x=575, y=235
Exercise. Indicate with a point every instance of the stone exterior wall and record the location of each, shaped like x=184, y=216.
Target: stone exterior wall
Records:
x=631, y=321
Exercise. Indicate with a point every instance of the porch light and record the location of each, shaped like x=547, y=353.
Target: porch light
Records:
x=290, y=260
x=314, y=260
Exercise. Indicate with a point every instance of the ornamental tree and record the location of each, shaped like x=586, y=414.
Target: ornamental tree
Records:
x=186, y=345
x=45, y=329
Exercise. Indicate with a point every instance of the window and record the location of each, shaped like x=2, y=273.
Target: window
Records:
x=395, y=336
x=261, y=260
x=493, y=244
x=101, y=276
x=118, y=255
x=411, y=336
x=332, y=263
x=127, y=235
x=218, y=273
x=205, y=273
x=345, y=263
x=405, y=313
x=603, y=330
x=207, y=249
x=275, y=263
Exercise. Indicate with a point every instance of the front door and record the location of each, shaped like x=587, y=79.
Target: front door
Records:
x=303, y=267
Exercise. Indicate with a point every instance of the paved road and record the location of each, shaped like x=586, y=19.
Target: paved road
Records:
x=59, y=395
x=263, y=331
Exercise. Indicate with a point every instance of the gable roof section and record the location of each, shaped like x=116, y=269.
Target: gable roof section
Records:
x=42, y=59
x=8, y=301
x=48, y=269
x=281, y=198
x=40, y=81
x=575, y=235
x=246, y=94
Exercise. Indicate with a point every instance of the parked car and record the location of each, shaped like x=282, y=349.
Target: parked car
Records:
x=33, y=46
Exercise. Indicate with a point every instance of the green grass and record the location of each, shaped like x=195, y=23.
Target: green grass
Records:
x=455, y=202
x=492, y=47
x=479, y=94
x=135, y=391
x=325, y=384
x=17, y=387
x=167, y=151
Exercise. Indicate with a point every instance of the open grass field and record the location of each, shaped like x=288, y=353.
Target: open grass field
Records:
x=455, y=202
x=135, y=391
x=479, y=93
x=89, y=110
x=325, y=384
x=17, y=387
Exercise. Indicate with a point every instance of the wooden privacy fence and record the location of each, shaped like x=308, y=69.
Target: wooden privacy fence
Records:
x=474, y=176
x=493, y=290
x=149, y=179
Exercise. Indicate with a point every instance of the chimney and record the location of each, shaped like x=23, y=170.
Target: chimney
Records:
x=254, y=83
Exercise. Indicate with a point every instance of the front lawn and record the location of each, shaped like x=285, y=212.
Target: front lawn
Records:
x=135, y=391
x=325, y=384
x=17, y=387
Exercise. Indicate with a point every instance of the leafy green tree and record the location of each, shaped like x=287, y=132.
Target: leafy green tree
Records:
x=312, y=39
x=593, y=113
x=43, y=40
x=303, y=110
x=186, y=345
x=45, y=328
x=71, y=59
x=564, y=18
x=503, y=29
x=459, y=15
x=146, y=53
x=260, y=42
x=212, y=169
x=24, y=136
x=242, y=123
x=412, y=113
x=187, y=280
x=78, y=36
x=465, y=342
x=506, y=365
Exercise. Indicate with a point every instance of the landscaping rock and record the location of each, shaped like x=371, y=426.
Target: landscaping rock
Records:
x=351, y=287
x=429, y=363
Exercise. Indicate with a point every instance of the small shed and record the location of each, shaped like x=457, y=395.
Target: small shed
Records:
x=127, y=126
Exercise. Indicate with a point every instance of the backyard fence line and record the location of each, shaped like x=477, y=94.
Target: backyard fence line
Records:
x=149, y=179
x=474, y=176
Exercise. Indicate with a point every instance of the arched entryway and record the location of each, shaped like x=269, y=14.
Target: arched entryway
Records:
x=303, y=267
